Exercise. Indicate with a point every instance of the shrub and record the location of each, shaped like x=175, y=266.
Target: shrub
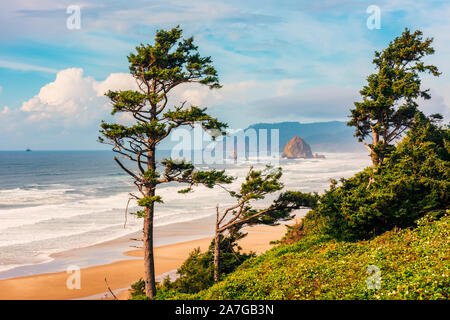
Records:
x=197, y=272
x=412, y=182
x=413, y=265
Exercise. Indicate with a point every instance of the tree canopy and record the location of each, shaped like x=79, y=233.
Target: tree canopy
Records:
x=389, y=99
x=158, y=68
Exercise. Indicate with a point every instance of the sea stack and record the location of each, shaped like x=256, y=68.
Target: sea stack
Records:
x=297, y=148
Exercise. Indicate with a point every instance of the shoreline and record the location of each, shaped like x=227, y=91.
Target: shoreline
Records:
x=113, y=250
x=120, y=274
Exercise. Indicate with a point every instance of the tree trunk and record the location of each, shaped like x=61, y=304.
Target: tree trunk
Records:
x=149, y=264
x=373, y=155
x=216, y=255
x=149, y=260
x=375, y=160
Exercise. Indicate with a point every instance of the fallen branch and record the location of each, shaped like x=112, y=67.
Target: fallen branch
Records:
x=109, y=289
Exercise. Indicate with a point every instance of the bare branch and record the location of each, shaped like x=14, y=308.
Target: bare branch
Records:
x=126, y=170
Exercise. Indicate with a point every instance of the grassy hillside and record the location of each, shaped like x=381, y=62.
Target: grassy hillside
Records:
x=414, y=264
x=353, y=226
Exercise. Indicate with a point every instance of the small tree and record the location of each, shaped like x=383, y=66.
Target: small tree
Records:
x=257, y=184
x=389, y=98
x=158, y=68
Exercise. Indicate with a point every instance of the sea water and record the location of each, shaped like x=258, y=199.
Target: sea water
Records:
x=53, y=201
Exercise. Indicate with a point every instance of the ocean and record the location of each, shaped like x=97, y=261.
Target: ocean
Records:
x=54, y=201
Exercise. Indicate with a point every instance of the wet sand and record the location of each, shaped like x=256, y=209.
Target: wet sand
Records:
x=121, y=274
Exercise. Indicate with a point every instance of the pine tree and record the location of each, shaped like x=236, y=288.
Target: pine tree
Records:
x=158, y=68
x=390, y=96
x=257, y=185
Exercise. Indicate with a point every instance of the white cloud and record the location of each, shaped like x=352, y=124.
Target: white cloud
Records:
x=115, y=81
x=234, y=93
x=24, y=67
x=73, y=99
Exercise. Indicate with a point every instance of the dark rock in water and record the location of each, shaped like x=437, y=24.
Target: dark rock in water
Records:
x=28, y=150
x=297, y=148
x=319, y=156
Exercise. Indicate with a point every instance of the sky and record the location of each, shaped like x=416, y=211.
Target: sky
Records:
x=288, y=60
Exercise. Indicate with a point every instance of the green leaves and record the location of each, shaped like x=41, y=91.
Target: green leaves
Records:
x=177, y=169
x=172, y=60
x=181, y=116
x=296, y=200
x=211, y=178
x=389, y=97
x=182, y=171
x=149, y=201
x=141, y=132
x=151, y=176
x=259, y=183
x=413, y=181
x=158, y=68
x=128, y=100
x=413, y=264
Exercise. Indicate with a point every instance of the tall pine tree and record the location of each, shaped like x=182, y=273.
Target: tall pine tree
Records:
x=390, y=95
x=158, y=68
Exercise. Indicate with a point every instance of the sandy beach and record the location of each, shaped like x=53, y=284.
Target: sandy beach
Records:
x=121, y=274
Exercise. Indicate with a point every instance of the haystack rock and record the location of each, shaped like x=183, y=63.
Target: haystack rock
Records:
x=297, y=148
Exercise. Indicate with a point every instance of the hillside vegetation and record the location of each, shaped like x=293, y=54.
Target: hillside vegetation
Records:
x=389, y=224
x=413, y=263
x=381, y=234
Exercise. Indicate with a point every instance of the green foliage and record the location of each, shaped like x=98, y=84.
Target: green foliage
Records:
x=138, y=290
x=183, y=171
x=140, y=214
x=195, y=114
x=172, y=59
x=127, y=100
x=413, y=265
x=142, y=130
x=197, y=272
x=211, y=178
x=389, y=98
x=412, y=182
x=149, y=201
x=259, y=183
x=158, y=68
x=151, y=176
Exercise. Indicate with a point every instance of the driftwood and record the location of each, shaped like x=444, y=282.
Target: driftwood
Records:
x=109, y=289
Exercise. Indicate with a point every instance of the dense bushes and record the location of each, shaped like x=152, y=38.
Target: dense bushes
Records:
x=413, y=265
x=413, y=181
x=197, y=272
x=351, y=226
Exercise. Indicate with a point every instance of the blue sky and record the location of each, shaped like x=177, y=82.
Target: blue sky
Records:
x=278, y=60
